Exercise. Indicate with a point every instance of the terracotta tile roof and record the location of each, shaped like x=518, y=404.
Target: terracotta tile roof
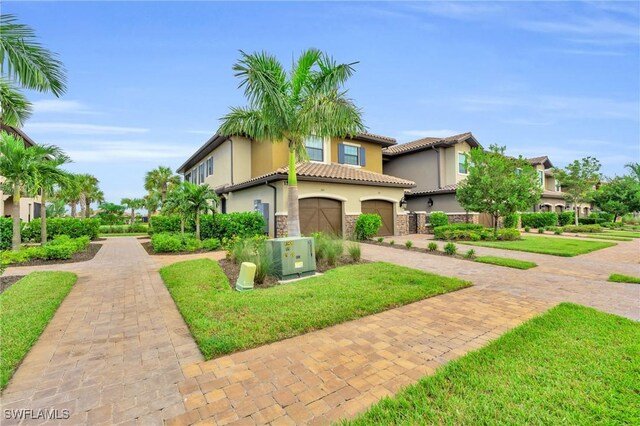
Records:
x=327, y=172
x=544, y=160
x=428, y=142
x=384, y=139
x=443, y=190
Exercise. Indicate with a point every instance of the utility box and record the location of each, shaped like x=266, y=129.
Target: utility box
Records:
x=293, y=257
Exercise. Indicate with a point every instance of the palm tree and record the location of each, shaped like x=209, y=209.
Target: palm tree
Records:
x=199, y=199
x=24, y=62
x=56, y=208
x=23, y=169
x=151, y=203
x=177, y=203
x=288, y=108
x=634, y=168
x=160, y=180
x=89, y=193
x=133, y=204
x=49, y=175
x=69, y=192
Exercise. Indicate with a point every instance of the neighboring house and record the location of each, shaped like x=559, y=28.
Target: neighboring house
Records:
x=342, y=180
x=29, y=206
x=437, y=165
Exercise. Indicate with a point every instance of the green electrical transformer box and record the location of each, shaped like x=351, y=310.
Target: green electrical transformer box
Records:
x=293, y=257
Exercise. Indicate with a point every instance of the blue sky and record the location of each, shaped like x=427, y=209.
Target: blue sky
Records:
x=148, y=81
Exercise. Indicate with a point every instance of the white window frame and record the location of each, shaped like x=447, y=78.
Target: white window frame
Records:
x=465, y=163
x=541, y=178
x=357, y=147
x=323, y=149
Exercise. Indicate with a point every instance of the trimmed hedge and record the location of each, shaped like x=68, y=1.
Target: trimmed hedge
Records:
x=172, y=243
x=160, y=224
x=539, y=219
x=367, y=226
x=220, y=225
x=439, y=231
x=124, y=229
x=61, y=247
x=583, y=228
x=506, y=234
x=511, y=220
x=72, y=227
x=6, y=233
x=566, y=218
x=438, y=219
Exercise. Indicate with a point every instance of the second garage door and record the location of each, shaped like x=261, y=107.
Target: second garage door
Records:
x=385, y=210
x=320, y=215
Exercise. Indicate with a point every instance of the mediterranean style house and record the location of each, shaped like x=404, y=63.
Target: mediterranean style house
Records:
x=342, y=179
x=30, y=207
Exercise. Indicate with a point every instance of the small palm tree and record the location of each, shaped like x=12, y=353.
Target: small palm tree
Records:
x=161, y=180
x=199, y=198
x=133, y=204
x=177, y=203
x=89, y=193
x=56, y=208
x=151, y=203
x=69, y=192
x=24, y=61
x=49, y=175
x=288, y=108
x=22, y=169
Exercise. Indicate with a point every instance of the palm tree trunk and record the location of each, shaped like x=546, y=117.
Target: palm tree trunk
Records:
x=43, y=218
x=182, y=225
x=133, y=215
x=73, y=206
x=16, y=238
x=198, y=226
x=575, y=212
x=293, y=217
x=83, y=203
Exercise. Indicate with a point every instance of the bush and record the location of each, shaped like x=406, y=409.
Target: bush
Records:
x=354, y=250
x=540, y=230
x=630, y=219
x=333, y=250
x=511, y=220
x=380, y=239
x=408, y=243
x=539, y=219
x=61, y=247
x=166, y=243
x=252, y=250
x=603, y=216
x=558, y=231
x=392, y=242
x=432, y=246
x=566, y=218
x=232, y=225
x=367, y=226
x=72, y=227
x=470, y=254
x=124, y=229
x=439, y=231
x=590, y=220
x=583, y=228
x=6, y=232
x=527, y=229
x=165, y=224
x=438, y=219
x=507, y=234
x=450, y=249
x=211, y=244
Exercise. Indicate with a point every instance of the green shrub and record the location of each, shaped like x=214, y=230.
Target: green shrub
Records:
x=511, y=220
x=630, y=219
x=450, y=249
x=507, y=234
x=566, y=218
x=166, y=243
x=470, y=254
x=527, y=229
x=211, y=244
x=72, y=227
x=380, y=239
x=124, y=229
x=408, y=243
x=603, y=216
x=539, y=219
x=232, y=225
x=392, y=242
x=439, y=231
x=583, y=228
x=319, y=243
x=57, y=251
x=333, y=250
x=61, y=247
x=540, y=230
x=432, y=246
x=438, y=219
x=354, y=250
x=367, y=226
x=6, y=232
x=165, y=224
x=252, y=250
x=590, y=220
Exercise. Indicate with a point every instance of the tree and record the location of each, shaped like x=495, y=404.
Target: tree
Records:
x=69, y=192
x=25, y=62
x=634, y=168
x=199, y=199
x=133, y=204
x=578, y=180
x=89, y=193
x=22, y=168
x=110, y=213
x=49, y=175
x=152, y=202
x=288, y=108
x=497, y=184
x=619, y=196
x=177, y=203
x=160, y=180
x=56, y=208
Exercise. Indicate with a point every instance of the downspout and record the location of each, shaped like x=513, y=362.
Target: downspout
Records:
x=438, y=163
x=275, y=206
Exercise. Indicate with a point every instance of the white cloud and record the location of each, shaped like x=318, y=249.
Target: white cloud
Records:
x=123, y=151
x=81, y=129
x=441, y=133
x=60, y=106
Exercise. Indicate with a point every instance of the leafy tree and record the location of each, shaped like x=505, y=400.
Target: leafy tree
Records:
x=111, y=213
x=289, y=107
x=133, y=204
x=199, y=199
x=578, y=180
x=25, y=62
x=619, y=196
x=497, y=184
x=634, y=168
x=22, y=169
x=49, y=175
x=160, y=180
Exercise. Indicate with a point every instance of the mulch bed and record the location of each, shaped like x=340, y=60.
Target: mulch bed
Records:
x=81, y=256
x=232, y=270
x=438, y=252
x=149, y=249
x=6, y=282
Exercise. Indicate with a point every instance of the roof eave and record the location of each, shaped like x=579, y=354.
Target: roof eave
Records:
x=212, y=143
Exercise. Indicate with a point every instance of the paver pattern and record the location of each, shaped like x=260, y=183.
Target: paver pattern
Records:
x=118, y=350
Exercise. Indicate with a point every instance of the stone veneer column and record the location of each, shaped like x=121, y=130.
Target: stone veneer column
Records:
x=402, y=224
x=281, y=226
x=421, y=222
x=463, y=218
x=350, y=224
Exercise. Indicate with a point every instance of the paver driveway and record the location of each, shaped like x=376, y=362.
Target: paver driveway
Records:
x=118, y=351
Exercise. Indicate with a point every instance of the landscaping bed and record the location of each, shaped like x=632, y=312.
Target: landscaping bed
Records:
x=566, y=247
x=8, y=281
x=571, y=365
x=224, y=321
x=62, y=253
x=149, y=249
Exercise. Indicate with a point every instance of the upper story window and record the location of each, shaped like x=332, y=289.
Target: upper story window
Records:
x=209, y=166
x=558, y=188
x=187, y=177
x=351, y=155
x=462, y=163
x=315, y=148
x=541, y=178
x=201, y=172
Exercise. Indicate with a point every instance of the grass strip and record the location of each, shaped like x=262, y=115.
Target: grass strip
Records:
x=505, y=261
x=620, y=278
x=566, y=247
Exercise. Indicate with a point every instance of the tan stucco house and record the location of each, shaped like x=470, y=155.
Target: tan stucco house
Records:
x=30, y=207
x=343, y=179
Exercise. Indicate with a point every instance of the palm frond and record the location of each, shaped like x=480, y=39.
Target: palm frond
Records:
x=331, y=75
x=330, y=115
x=263, y=79
x=302, y=70
x=15, y=109
x=252, y=123
x=25, y=60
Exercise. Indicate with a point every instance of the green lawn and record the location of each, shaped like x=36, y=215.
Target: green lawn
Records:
x=572, y=365
x=25, y=310
x=604, y=237
x=627, y=234
x=620, y=278
x=567, y=247
x=224, y=321
x=505, y=261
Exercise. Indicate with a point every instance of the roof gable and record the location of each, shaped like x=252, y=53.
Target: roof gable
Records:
x=430, y=142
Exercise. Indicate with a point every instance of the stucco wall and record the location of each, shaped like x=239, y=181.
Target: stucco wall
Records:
x=441, y=202
x=420, y=167
x=373, y=153
x=26, y=207
x=243, y=201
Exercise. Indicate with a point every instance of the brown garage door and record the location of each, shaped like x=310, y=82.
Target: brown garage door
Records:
x=320, y=215
x=385, y=210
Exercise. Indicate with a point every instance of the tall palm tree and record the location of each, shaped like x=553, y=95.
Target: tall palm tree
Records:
x=151, y=203
x=160, y=180
x=133, y=204
x=89, y=193
x=56, y=208
x=199, y=199
x=49, y=175
x=177, y=203
x=22, y=169
x=69, y=192
x=289, y=107
x=25, y=62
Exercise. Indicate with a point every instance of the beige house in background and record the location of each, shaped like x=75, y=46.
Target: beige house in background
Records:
x=30, y=207
x=343, y=179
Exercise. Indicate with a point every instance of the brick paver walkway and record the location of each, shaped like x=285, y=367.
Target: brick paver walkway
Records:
x=119, y=336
